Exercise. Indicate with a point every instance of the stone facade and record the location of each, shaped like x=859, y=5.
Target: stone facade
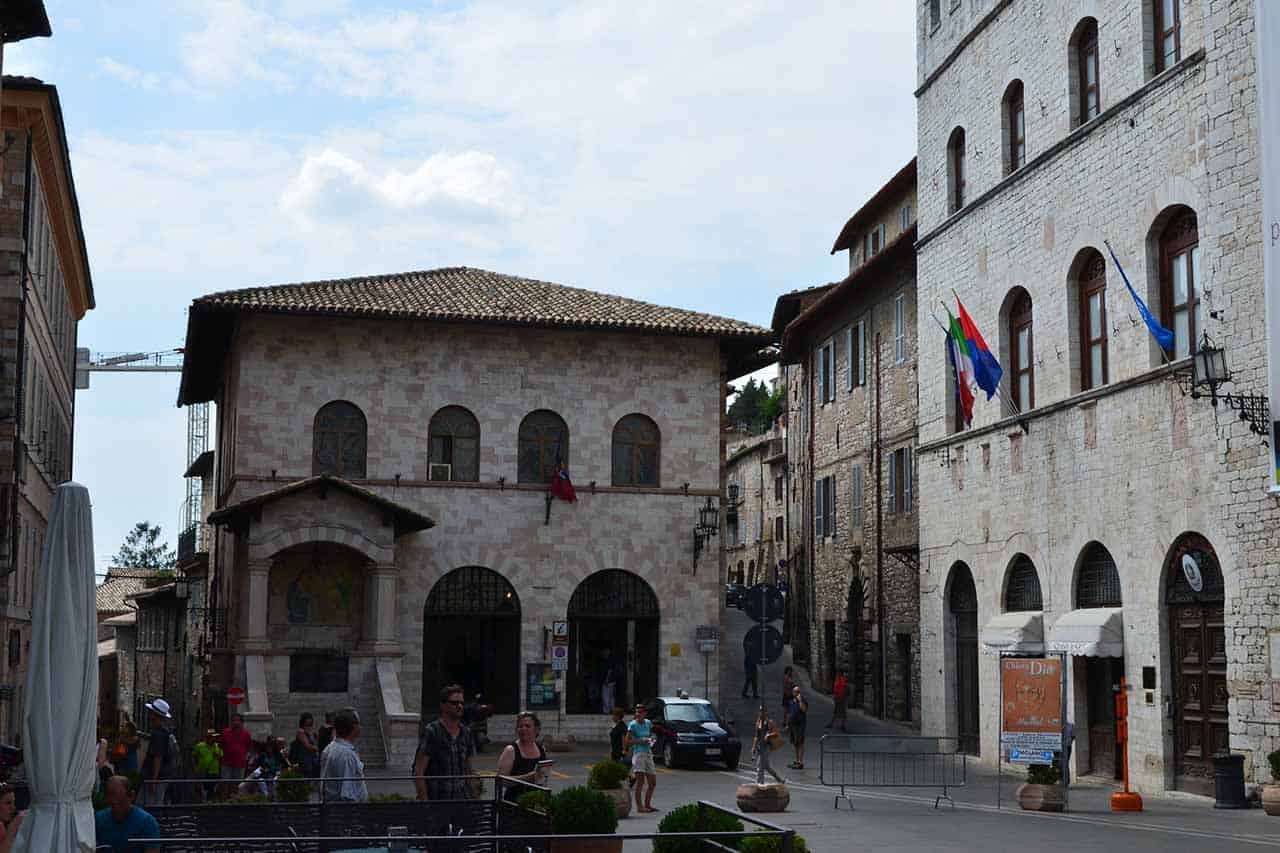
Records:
x=277, y=374
x=857, y=593
x=754, y=535
x=44, y=291
x=1133, y=464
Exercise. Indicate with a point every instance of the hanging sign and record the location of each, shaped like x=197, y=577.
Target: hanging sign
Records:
x=1267, y=32
x=1031, y=690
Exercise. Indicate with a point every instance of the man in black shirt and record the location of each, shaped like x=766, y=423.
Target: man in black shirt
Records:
x=445, y=751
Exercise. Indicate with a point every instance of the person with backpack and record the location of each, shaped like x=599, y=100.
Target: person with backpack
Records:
x=161, y=763
x=766, y=741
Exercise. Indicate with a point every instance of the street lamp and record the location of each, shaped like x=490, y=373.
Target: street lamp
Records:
x=707, y=526
x=1209, y=370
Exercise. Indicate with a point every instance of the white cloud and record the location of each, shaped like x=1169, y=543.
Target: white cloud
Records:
x=129, y=74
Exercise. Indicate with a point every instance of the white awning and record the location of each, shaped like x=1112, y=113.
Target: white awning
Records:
x=106, y=648
x=1021, y=632
x=1094, y=632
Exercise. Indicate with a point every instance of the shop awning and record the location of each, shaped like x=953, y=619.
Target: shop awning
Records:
x=1094, y=632
x=1021, y=632
x=106, y=648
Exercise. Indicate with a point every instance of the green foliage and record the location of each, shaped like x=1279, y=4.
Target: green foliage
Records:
x=160, y=578
x=685, y=819
x=774, y=406
x=389, y=798
x=142, y=549
x=1043, y=774
x=249, y=799
x=1273, y=758
x=581, y=810
x=290, y=790
x=770, y=844
x=607, y=775
x=754, y=409
x=534, y=801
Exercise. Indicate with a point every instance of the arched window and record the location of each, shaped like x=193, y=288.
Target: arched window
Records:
x=1022, y=589
x=455, y=441
x=544, y=442
x=636, y=446
x=1088, y=83
x=1180, y=280
x=1166, y=29
x=1092, y=307
x=955, y=170
x=1021, y=351
x=339, y=441
x=1015, y=137
x=1097, y=580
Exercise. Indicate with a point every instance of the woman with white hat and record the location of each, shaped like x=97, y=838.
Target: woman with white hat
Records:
x=161, y=762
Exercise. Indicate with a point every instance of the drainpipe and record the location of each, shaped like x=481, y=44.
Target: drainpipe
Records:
x=881, y=704
x=812, y=560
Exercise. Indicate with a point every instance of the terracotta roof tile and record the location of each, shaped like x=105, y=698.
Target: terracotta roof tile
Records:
x=117, y=587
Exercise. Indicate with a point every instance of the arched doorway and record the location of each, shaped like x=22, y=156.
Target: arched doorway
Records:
x=1098, y=585
x=962, y=606
x=1195, y=595
x=613, y=640
x=471, y=636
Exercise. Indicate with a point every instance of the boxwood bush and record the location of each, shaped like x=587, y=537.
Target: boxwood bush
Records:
x=607, y=775
x=685, y=819
x=582, y=811
x=771, y=844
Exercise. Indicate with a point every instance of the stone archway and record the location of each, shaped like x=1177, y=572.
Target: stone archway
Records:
x=962, y=627
x=613, y=640
x=471, y=636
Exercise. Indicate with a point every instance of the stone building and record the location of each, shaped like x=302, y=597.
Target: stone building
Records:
x=1095, y=508
x=850, y=364
x=45, y=289
x=755, y=506
x=384, y=519
x=117, y=620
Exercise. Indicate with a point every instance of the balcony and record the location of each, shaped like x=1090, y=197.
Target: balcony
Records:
x=191, y=544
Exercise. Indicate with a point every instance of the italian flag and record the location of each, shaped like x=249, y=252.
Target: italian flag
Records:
x=961, y=366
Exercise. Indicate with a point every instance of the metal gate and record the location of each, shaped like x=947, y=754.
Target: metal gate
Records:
x=963, y=602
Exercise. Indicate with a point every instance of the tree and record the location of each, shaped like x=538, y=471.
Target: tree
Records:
x=754, y=409
x=142, y=549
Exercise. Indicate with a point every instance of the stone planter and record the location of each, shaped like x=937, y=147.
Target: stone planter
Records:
x=621, y=800
x=763, y=798
x=1271, y=799
x=599, y=845
x=1040, y=798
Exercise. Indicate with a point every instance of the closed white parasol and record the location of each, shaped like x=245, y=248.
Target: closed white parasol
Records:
x=59, y=725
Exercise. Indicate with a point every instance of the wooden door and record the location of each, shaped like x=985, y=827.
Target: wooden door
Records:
x=1200, y=691
x=1102, y=685
x=963, y=603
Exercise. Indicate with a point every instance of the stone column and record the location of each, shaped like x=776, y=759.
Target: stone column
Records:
x=379, y=630
x=255, y=637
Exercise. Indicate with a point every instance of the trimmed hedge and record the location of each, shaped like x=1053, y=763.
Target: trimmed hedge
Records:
x=685, y=819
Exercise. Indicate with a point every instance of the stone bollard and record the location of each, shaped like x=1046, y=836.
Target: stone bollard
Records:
x=763, y=798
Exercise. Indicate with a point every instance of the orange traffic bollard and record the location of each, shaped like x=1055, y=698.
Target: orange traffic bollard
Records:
x=1126, y=800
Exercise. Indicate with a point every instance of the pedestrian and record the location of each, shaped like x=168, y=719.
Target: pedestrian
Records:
x=102, y=764
x=10, y=818
x=236, y=743
x=326, y=732
x=341, y=770
x=609, y=690
x=766, y=737
x=617, y=735
x=788, y=687
x=161, y=763
x=304, y=752
x=445, y=752
x=639, y=741
x=476, y=718
x=207, y=755
x=798, y=716
x=751, y=669
x=125, y=754
x=840, y=693
x=524, y=757
x=121, y=820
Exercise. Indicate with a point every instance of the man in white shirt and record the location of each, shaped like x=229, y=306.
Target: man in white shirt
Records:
x=341, y=770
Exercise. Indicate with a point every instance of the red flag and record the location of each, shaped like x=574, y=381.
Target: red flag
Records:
x=561, y=485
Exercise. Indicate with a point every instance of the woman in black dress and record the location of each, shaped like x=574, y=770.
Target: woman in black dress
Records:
x=520, y=759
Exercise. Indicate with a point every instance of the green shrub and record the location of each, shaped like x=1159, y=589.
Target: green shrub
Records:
x=389, y=798
x=290, y=790
x=1273, y=758
x=685, y=819
x=160, y=578
x=248, y=799
x=534, y=801
x=770, y=844
x=1043, y=774
x=607, y=775
x=582, y=811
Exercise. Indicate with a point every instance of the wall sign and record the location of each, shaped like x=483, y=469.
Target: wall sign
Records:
x=540, y=687
x=1191, y=571
x=1031, y=691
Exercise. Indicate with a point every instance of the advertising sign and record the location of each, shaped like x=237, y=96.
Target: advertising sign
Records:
x=540, y=687
x=1031, y=692
x=1267, y=31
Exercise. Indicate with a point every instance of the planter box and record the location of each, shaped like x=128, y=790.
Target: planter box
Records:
x=763, y=798
x=621, y=800
x=599, y=845
x=1271, y=799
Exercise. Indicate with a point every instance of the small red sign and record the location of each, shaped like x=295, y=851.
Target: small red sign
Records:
x=235, y=695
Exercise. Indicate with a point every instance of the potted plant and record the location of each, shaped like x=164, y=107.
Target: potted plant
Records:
x=685, y=819
x=291, y=788
x=608, y=776
x=534, y=801
x=770, y=844
x=584, y=811
x=1271, y=793
x=1041, y=792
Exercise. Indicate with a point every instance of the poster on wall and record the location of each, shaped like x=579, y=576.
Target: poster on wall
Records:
x=1267, y=30
x=541, y=689
x=1031, y=692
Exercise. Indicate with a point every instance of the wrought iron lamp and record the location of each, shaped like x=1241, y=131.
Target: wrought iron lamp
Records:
x=707, y=526
x=1209, y=370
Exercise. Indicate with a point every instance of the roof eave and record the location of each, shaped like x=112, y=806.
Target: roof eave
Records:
x=844, y=240
x=24, y=19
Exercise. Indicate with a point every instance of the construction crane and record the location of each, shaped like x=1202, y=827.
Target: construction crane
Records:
x=165, y=361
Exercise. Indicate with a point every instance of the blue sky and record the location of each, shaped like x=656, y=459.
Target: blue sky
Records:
x=699, y=156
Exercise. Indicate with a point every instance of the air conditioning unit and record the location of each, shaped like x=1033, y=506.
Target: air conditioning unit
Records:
x=441, y=471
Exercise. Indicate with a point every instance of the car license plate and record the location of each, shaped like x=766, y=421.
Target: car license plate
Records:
x=713, y=750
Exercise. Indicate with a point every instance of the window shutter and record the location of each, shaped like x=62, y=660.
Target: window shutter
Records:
x=831, y=506
x=822, y=374
x=862, y=352
x=899, y=328
x=907, y=479
x=857, y=496
x=848, y=345
x=817, y=510
x=893, y=481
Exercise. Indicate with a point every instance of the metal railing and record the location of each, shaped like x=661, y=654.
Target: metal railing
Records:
x=889, y=761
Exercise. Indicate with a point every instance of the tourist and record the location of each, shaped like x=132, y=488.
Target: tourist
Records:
x=840, y=693
x=161, y=763
x=797, y=717
x=765, y=736
x=125, y=754
x=10, y=818
x=640, y=743
x=326, y=732
x=788, y=687
x=236, y=743
x=617, y=735
x=523, y=758
x=207, y=755
x=304, y=753
x=445, y=751
x=751, y=670
x=122, y=820
x=476, y=718
x=341, y=770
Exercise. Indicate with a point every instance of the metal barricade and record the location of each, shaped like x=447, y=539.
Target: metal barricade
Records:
x=889, y=761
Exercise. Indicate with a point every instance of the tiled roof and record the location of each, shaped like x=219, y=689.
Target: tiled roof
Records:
x=405, y=519
x=118, y=586
x=464, y=294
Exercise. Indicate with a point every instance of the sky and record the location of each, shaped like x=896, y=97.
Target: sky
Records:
x=703, y=156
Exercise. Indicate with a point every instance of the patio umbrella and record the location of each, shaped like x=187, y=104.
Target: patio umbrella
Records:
x=59, y=725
